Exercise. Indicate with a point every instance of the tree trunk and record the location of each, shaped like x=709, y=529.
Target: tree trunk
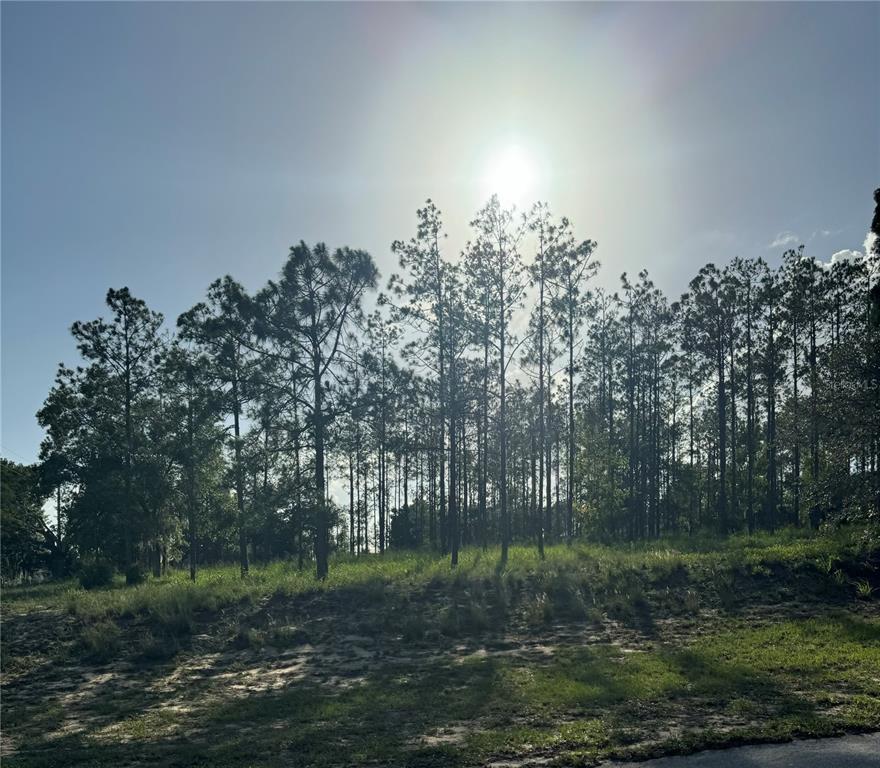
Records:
x=542, y=426
x=350, y=504
x=722, y=434
x=772, y=502
x=750, y=418
x=453, y=489
x=796, y=514
x=239, y=480
x=734, y=495
x=129, y=450
x=484, y=429
x=322, y=532
x=191, y=490
x=548, y=528
x=300, y=523
x=502, y=428
x=571, y=435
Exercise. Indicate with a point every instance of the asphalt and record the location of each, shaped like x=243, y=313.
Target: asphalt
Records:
x=855, y=751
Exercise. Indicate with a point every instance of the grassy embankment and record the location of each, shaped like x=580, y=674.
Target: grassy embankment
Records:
x=594, y=652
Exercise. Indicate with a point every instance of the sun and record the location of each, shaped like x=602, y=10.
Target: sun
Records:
x=510, y=174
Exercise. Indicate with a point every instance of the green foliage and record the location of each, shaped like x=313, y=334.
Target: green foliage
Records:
x=134, y=575
x=575, y=576
x=21, y=520
x=101, y=641
x=563, y=590
x=404, y=532
x=431, y=673
x=466, y=618
x=96, y=574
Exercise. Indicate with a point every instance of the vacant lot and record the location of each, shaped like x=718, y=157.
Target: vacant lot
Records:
x=593, y=653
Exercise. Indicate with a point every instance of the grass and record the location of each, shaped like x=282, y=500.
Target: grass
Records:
x=587, y=704
x=618, y=569
x=595, y=652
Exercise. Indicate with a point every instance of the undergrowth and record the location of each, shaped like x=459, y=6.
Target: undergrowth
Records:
x=578, y=582
x=558, y=658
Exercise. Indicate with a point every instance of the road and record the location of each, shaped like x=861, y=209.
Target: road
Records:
x=856, y=751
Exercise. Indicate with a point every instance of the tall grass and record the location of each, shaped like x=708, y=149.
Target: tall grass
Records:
x=565, y=569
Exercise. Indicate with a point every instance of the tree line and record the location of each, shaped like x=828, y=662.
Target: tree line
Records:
x=484, y=398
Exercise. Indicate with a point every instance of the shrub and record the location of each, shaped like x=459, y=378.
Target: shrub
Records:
x=499, y=598
x=413, y=627
x=248, y=637
x=464, y=619
x=538, y=610
x=98, y=573
x=595, y=617
x=134, y=574
x=174, y=617
x=692, y=602
x=158, y=647
x=565, y=594
x=100, y=641
x=372, y=592
x=283, y=637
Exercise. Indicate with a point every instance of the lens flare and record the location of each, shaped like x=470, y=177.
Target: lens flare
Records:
x=510, y=174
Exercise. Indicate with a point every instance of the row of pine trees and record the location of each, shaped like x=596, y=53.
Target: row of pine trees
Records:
x=488, y=397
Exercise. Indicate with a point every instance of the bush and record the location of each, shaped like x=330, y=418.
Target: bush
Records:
x=134, y=574
x=158, y=647
x=98, y=573
x=174, y=618
x=538, y=610
x=464, y=619
x=100, y=641
x=565, y=594
x=413, y=627
x=692, y=602
x=248, y=637
x=284, y=637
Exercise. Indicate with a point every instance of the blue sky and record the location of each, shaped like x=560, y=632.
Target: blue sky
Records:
x=162, y=145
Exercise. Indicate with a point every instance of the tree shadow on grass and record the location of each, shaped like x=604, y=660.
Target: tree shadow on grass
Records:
x=392, y=714
x=382, y=718
x=397, y=703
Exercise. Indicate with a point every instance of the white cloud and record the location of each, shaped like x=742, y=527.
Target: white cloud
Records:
x=846, y=254
x=869, y=241
x=784, y=239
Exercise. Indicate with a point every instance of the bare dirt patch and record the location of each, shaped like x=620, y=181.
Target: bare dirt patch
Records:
x=345, y=677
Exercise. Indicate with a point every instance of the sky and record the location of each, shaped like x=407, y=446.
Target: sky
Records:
x=160, y=146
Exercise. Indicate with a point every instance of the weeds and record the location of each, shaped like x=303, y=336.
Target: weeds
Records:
x=692, y=602
x=464, y=619
x=538, y=611
x=591, y=568
x=580, y=702
x=100, y=642
x=627, y=583
x=96, y=574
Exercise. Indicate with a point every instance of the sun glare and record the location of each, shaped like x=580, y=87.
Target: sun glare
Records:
x=510, y=174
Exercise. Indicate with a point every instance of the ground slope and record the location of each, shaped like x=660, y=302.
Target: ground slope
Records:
x=594, y=653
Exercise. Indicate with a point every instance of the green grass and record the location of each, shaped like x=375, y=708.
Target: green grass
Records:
x=589, y=564
x=571, y=657
x=587, y=704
